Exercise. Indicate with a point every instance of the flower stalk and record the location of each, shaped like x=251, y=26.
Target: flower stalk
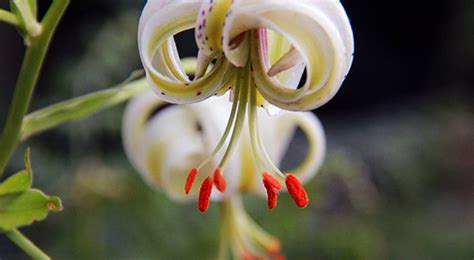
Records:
x=26, y=245
x=27, y=79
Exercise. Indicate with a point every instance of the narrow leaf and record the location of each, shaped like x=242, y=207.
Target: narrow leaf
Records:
x=80, y=107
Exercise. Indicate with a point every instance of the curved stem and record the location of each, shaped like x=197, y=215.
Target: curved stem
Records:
x=9, y=18
x=26, y=245
x=29, y=73
x=79, y=107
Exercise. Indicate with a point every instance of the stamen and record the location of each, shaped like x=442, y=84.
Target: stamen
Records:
x=228, y=128
x=190, y=180
x=272, y=195
x=272, y=186
x=205, y=194
x=219, y=180
x=297, y=191
x=274, y=249
x=247, y=256
x=255, y=140
x=243, y=77
x=271, y=180
x=236, y=41
x=286, y=62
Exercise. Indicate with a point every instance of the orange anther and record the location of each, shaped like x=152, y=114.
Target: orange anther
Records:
x=190, y=180
x=272, y=186
x=219, y=180
x=272, y=199
x=267, y=177
x=296, y=191
x=205, y=194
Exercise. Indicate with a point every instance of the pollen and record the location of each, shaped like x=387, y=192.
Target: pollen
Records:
x=190, y=180
x=297, y=191
x=272, y=196
x=205, y=194
x=272, y=186
x=219, y=180
x=271, y=180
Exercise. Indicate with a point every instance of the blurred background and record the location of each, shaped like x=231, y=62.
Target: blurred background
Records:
x=397, y=183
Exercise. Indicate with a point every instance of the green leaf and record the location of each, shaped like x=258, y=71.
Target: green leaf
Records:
x=80, y=107
x=20, y=209
x=20, y=181
x=19, y=204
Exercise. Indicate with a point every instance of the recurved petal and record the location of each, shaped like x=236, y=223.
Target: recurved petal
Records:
x=136, y=116
x=159, y=22
x=314, y=132
x=319, y=30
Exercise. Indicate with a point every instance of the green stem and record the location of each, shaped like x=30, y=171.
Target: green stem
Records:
x=80, y=107
x=30, y=69
x=26, y=245
x=9, y=18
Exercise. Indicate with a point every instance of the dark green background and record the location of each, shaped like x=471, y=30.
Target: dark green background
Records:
x=398, y=181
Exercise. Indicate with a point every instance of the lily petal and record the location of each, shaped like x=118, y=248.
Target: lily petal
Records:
x=159, y=22
x=135, y=118
x=319, y=30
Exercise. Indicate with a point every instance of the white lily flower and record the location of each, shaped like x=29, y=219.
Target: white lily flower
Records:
x=163, y=146
x=259, y=49
x=163, y=142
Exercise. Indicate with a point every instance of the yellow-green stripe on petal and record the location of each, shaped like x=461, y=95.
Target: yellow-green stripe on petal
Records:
x=162, y=20
x=210, y=24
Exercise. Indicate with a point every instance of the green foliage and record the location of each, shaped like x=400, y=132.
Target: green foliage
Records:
x=21, y=205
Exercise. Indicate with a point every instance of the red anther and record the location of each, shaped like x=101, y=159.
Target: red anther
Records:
x=279, y=257
x=267, y=177
x=219, y=181
x=247, y=256
x=296, y=191
x=274, y=247
x=205, y=194
x=190, y=180
x=272, y=194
